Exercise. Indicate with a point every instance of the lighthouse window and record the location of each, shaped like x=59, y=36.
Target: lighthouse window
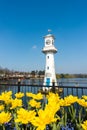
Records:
x=52, y=42
x=48, y=57
x=47, y=67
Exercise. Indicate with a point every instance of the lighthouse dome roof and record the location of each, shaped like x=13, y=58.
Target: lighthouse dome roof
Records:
x=49, y=35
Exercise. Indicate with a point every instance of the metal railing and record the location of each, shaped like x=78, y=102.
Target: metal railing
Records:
x=35, y=88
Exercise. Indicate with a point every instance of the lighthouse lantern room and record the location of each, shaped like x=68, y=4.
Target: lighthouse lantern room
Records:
x=49, y=50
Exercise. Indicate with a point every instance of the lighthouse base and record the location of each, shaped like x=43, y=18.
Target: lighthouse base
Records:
x=49, y=83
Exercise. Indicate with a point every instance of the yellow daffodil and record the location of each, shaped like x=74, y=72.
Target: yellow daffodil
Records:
x=47, y=116
x=19, y=95
x=82, y=102
x=44, y=117
x=53, y=97
x=16, y=103
x=84, y=97
x=37, y=96
x=34, y=103
x=6, y=97
x=5, y=117
x=1, y=107
x=52, y=107
x=53, y=102
x=28, y=94
x=25, y=116
x=69, y=100
x=9, y=93
x=84, y=125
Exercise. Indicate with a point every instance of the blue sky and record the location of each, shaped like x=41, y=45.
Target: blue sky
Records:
x=23, y=23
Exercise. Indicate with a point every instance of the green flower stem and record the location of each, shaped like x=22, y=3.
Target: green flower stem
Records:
x=17, y=127
x=33, y=128
x=24, y=127
x=3, y=127
x=54, y=126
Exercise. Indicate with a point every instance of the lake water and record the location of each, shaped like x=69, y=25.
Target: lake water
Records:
x=78, y=82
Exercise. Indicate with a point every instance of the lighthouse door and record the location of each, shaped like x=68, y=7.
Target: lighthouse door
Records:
x=48, y=81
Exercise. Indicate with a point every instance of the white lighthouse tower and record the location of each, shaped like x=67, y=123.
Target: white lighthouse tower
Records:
x=49, y=50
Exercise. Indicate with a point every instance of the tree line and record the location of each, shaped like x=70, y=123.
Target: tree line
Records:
x=42, y=72
x=33, y=72
x=71, y=75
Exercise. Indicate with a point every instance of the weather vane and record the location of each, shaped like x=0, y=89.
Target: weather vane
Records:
x=49, y=30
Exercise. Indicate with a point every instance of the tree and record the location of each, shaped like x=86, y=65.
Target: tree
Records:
x=33, y=73
x=41, y=72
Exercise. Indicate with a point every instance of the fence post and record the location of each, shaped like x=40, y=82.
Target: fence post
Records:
x=53, y=87
x=19, y=82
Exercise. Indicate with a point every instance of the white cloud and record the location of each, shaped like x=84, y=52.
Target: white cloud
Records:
x=34, y=47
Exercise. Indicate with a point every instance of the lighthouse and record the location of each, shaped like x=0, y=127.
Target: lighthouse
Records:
x=49, y=50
